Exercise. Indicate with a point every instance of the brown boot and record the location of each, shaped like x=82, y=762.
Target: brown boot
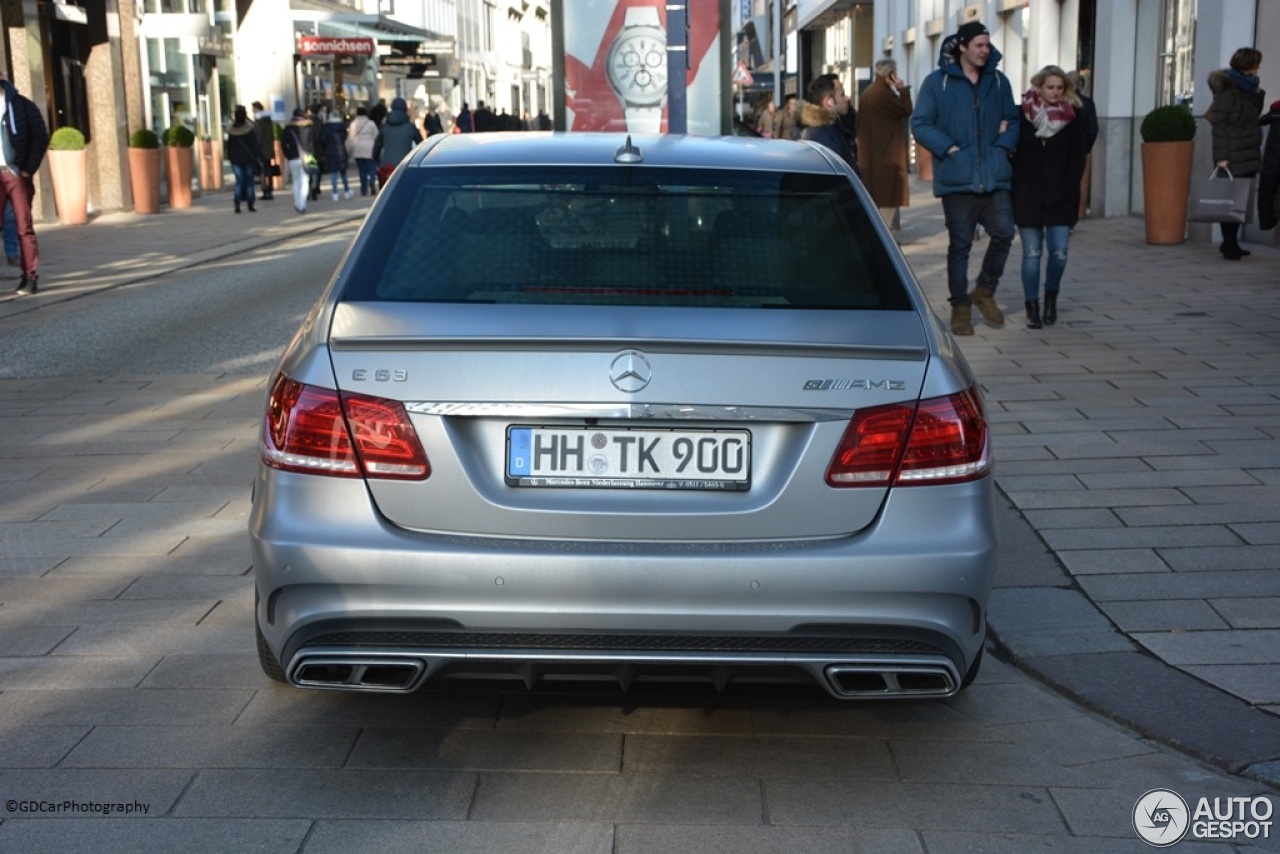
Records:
x=985, y=300
x=961, y=320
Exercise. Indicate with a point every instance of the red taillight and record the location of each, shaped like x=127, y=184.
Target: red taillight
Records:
x=941, y=440
x=311, y=430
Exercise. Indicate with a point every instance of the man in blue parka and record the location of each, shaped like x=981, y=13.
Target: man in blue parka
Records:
x=967, y=118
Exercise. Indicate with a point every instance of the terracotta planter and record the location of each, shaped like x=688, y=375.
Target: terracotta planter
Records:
x=924, y=163
x=144, y=179
x=70, y=173
x=178, y=161
x=1166, y=183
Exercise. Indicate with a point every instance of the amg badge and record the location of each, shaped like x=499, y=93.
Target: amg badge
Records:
x=841, y=385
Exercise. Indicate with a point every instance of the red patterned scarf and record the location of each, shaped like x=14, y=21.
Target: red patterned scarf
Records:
x=1047, y=118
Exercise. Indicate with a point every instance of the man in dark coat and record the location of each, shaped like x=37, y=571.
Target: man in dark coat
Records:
x=265, y=127
x=24, y=139
x=821, y=116
x=1269, y=177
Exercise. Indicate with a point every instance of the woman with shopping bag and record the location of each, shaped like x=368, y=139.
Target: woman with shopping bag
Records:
x=1237, y=138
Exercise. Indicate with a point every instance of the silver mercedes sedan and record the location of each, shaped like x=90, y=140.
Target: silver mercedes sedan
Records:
x=591, y=406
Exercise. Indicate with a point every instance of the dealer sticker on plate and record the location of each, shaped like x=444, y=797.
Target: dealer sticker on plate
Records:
x=619, y=458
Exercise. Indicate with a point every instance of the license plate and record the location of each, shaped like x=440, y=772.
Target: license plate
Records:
x=620, y=458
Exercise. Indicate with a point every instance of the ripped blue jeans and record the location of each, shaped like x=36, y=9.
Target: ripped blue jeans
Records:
x=1035, y=240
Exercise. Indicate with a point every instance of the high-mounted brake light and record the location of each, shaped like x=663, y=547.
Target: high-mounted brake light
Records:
x=936, y=441
x=319, y=431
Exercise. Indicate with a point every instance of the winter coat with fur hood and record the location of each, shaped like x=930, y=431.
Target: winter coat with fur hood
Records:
x=1237, y=138
x=822, y=125
x=951, y=110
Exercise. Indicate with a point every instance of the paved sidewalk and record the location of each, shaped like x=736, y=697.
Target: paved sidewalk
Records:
x=1136, y=440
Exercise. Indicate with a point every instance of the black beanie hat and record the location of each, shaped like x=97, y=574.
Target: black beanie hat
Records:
x=971, y=31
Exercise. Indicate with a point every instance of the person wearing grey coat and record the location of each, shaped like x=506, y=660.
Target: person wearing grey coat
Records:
x=396, y=138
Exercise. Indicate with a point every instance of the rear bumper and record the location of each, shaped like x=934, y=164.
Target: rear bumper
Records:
x=347, y=591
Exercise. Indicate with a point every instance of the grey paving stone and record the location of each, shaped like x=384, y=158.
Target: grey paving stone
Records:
x=40, y=746
x=426, y=707
x=1162, y=702
x=32, y=640
x=943, y=842
x=156, y=790
x=156, y=639
x=1163, y=479
x=1091, y=518
x=1111, y=561
x=284, y=793
x=997, y=706
x=1198, y=560
x=990, y=763
x=1234, y=494
x=621, y=798
x=1140, y=538
x=53, y=672
x=1254, y=646
x=122, y=706
x=759, y=757
x=486, y=750
x=1106, y=498
x=1195, y=514
x=1255, y=612
x=1156, y=616
x=660, y=839
x=1046, y=621
x=1258, y=534
x=50, y=545
x=1077, y=741
x=1255, y=683
x=106, y=612
x=133, y=566
x=633, y=714
x=465, y=837
x=183, y=746
x=28, y=590
x=156, y=511
x=205, y=587
x=152, y=835
x=906, y=719
x=926, y=806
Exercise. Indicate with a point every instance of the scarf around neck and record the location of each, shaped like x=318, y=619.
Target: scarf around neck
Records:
x=1047, y=118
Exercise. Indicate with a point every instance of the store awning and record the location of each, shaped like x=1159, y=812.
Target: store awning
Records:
x=335, y=20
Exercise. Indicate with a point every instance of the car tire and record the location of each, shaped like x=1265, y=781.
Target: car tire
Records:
x=266, y=659
x=968, y=677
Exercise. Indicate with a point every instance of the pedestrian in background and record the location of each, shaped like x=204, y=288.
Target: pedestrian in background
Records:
x=1269, y=177
x=24, y=139
x=789, y=126
x=296, y=142
x=361, y=136
x=885, y=107
x=245, y=153
x=396, y=138
x=315, y=115
x=767, y=122
x=1237, y=136
x=967, y=118
x=265, y=127
x=821, y=117
x=333, y=144
x=1048, y=165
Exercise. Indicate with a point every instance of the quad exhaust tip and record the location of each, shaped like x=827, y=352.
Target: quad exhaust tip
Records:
x=359, y=674
x=869, y=681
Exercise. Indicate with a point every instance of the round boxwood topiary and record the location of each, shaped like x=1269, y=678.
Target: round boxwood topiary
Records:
x=1170, y=123
x=66, y=139
x=144, y=138
x=179, y=136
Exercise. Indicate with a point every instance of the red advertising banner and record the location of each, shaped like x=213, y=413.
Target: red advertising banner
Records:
x=335, y=46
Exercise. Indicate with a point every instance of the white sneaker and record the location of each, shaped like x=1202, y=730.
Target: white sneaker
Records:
x=335, y=197
x=348, y=194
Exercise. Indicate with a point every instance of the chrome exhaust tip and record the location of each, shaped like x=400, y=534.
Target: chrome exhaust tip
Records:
x=358, y=674
x=867, y=681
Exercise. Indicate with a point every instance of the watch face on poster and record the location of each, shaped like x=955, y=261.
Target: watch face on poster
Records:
x=637, y=65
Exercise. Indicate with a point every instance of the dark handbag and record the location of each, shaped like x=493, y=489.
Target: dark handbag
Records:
x=1218, y=199
x=273, y=171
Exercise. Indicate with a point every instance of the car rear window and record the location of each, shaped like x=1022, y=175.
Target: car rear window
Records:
x=625, y=235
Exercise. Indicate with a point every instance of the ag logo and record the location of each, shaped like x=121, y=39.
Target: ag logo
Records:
x=1161, y=817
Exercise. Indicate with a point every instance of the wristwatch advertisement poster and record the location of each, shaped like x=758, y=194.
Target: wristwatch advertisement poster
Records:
x=615, y=61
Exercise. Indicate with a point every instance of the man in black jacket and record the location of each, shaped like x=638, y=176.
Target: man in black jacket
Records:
x=826, y=117
x=24, y=139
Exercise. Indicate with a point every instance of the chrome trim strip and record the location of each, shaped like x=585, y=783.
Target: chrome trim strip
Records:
x=625, y=411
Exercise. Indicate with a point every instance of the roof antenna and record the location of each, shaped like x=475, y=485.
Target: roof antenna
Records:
x=628, y=153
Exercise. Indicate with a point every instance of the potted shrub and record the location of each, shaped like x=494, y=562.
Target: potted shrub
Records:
x=69, y=171
x=144, y=170
x=179, y=141
x=1168, y=141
